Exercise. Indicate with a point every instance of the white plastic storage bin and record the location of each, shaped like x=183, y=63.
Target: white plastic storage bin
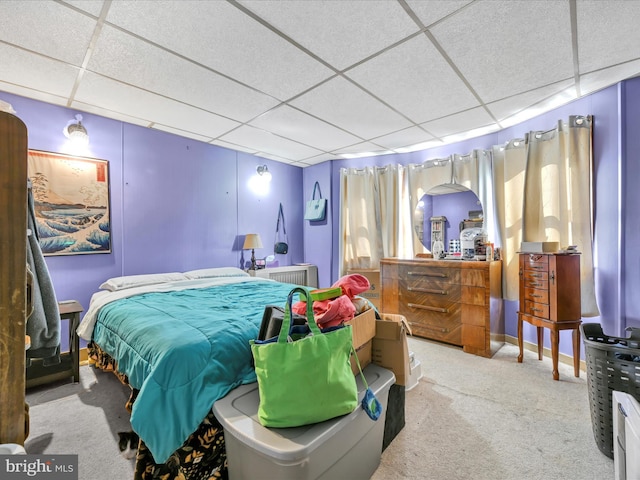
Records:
x=347, y=447
x=626, y=436
x=11, y=449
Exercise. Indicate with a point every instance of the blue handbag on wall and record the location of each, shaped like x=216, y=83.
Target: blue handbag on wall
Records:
x=316, y=209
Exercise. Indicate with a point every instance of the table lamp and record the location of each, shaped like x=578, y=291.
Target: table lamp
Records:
x=252, y=241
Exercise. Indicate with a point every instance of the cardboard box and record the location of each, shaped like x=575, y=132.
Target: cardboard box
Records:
x=363, y=329
x=389, y=347
x=374, y=292
x=539, y=247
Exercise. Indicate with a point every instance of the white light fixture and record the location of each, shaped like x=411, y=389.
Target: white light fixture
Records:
x=252, y=241
x=264, y=173
x=76, y=132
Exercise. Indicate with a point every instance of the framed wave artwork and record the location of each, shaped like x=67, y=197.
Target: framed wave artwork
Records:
x=71, y=203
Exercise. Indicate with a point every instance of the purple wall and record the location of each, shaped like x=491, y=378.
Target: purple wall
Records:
x=176, y=204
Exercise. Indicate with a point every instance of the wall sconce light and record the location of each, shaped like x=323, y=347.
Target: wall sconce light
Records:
x=76, y=132
x=264, y=173
x=252, y=241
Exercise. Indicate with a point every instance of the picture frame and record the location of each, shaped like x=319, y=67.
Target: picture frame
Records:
x=71, y=203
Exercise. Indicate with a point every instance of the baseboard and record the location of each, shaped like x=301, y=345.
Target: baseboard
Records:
x=546, y=352
x=84, y=356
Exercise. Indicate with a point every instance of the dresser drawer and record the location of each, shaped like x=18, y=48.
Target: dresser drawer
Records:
x=534, y=261
x=536, y=309
x=435, y=302
x=540, y=284
x=537, y=295
x=437, y=325
x=420, y=274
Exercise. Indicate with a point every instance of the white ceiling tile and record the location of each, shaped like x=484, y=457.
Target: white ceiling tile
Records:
x=513, y=105
x=134, y=61
x=434, y=10
x=46, y=27
x=36, y=72
x=296, y=125
x=112, y=95
x=521, y=48
x=29, y=93
x=416, y=80
x=269, y=143
x=600, y=79
x=318, y=159
x=222, y=37
x=94, y=7
x=277, y=158
x=341, y=103
x=367, y=148
x=460, y=122
x=403, y=138
x=327, y=27
x=608, y=33
x=85, y=107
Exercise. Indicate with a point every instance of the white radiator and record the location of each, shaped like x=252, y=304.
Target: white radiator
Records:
x=297, y=274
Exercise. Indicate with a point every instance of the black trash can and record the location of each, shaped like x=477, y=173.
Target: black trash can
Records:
x=613, y=363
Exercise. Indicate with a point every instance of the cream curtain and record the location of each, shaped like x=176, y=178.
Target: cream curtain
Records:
x=509, y=163
x=375, y=219
x=557, y=195
x=422, y=178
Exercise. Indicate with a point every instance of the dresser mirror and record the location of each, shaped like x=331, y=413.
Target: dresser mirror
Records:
x=454, y=202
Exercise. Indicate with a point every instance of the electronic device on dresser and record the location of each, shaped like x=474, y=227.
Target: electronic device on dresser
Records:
x=452, y=301
x=550, y=298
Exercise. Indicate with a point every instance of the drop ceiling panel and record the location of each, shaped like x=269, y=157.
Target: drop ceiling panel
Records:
x=85, y=107
x=317, y=159
x=515, y=104
x=327, y=28
x=93, y=7
x=403, y=138
x=365, y=148
x=608, y=33
x=112, y=95
x=233, y=146
x=592, y=82
x=508, y=47
x=222, y=37
x=293, y=124
x=460, y=122
x=182, y=133
x=269, y=143
x=29, y=93
x=434, y=10
x=136, y=62
x=35, y=71
x=341, y=103
x=415, y=79
x=46, y=27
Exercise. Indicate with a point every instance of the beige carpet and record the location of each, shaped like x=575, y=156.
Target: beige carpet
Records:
x=477, y=418
x=468, y=418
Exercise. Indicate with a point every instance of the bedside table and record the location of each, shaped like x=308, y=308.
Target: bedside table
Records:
x=69, y=365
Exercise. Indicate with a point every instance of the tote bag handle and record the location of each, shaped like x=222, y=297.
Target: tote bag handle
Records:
x=316, y=187
x=281, y=215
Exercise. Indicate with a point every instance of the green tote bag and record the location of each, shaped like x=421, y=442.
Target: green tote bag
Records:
x=304, y=376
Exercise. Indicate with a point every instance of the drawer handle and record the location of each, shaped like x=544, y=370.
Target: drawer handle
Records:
x=427, y=274
x=428, y=307
x=427, y=327
x=535, y=296
x=536, y=310
x=427, y=290
x=533, y=284
x=535, y=275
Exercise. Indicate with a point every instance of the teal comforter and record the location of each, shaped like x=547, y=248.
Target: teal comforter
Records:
x=184, y=350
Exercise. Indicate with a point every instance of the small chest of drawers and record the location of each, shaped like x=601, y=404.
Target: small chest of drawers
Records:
x=550, y=298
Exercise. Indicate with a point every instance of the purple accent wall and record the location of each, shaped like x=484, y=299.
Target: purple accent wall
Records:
x=176, y=204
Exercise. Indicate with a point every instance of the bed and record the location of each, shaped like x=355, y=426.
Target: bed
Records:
x=181, y=342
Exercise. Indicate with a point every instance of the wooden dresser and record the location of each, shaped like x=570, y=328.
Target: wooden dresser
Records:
x=452, y=301
x=550, y=298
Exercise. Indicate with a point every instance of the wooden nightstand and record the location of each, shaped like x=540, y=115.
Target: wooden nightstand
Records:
x=69, y=365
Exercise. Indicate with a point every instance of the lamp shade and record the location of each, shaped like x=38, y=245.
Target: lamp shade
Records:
x=252, y=240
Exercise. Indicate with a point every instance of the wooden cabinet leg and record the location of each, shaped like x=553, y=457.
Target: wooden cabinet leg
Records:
x=540, y=341
x=555, y=340
x=576, y=352
x=520, y=338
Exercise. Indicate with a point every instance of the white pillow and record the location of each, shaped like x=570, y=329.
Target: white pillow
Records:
x=130, y=281
x=216, y=272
